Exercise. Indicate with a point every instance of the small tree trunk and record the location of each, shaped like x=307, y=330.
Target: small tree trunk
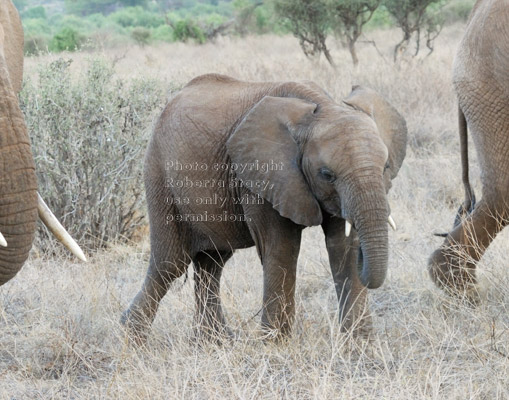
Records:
x=418, y=42
x=353, y=51
x=406, y=39
x=326, y=53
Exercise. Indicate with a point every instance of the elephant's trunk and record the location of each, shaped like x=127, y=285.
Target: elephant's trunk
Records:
x=18, y=183
x=369, y=212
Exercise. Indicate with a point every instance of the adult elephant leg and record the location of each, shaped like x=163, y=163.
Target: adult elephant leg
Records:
x=169, y=259
x=277, y=240
x=452, y=266
x=210, y=320
x=343, y=259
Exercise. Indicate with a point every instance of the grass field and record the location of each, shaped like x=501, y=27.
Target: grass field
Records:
x=60, y=336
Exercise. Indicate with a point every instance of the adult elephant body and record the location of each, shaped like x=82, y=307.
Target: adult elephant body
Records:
x=18, y=183
x=481, y=81
x=234, y=164
x=19, y=202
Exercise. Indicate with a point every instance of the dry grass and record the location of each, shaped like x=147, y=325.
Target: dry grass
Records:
x=60, y=336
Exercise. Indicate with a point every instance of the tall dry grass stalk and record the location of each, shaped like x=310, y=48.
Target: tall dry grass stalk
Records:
x=60, y=336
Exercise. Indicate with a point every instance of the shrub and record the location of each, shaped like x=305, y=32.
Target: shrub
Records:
x=137, y=16
x=141, y=36
x=89, y=135
x=34, y=12
x=186, y=29
x=36, y=27
x=163, y=33
x=66, y=39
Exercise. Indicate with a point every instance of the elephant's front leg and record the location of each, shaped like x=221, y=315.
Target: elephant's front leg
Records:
x=277, y=240
x=452, y=266
x=343, y=259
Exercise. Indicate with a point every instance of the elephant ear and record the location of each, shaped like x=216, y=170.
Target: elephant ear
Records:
x=265, y=155
x=391, y=125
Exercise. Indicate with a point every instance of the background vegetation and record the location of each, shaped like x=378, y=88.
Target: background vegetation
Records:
x=58, y=25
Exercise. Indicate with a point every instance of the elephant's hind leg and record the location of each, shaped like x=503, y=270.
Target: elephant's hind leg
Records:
x=210, y=320
x=169, y=259
x=452, y=266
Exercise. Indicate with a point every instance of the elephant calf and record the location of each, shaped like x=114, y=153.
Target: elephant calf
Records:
x=235, y=164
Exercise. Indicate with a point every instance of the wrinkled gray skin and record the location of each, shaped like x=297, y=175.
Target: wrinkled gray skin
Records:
x=481, y=81
x=18, y=183
x=335, y=162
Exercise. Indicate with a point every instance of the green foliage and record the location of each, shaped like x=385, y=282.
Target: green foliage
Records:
x=36, y=27
x=187, y=29
x=133, y=3
x=20, y=4
x=163, y=33
x=67, y=39
x=350, y=17
x=141, y=35
x=380, y=19
x=87, y=7
x=309, y=21
x=137, y=16
x=91, y=132
x=34, y=12
x=415, y=16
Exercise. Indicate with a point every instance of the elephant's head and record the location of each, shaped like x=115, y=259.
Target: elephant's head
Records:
x=326, y=157
x=19, y=201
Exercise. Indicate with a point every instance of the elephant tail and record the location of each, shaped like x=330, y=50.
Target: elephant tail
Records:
x=469, y=203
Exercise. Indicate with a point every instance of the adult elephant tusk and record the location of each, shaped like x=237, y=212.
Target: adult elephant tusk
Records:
x=3, y=242
x=58, y=230
x=348, y=228
x=391, y=222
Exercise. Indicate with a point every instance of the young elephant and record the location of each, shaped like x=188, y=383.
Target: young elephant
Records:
x=233, y=164
x=481, y=81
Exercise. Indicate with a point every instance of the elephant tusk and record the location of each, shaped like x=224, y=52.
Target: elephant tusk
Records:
x=391, y=222
x=3, y=242
x=348, y=228
x=58, y=230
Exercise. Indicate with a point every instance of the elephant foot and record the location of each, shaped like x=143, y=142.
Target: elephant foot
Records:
x=136, y=326
x=357, y=324
x=451, y=271
x=213, y=331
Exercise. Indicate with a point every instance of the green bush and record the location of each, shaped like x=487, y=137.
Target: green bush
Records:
x=137, y=16
x=36, y=27
x=186, y=29
x=34, y=12
x=381, y=19
x=67, y=39
x=163, y=33
x=90, y=133
x=141, y=36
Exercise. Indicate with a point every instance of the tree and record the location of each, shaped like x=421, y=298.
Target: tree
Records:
x=87, y=7
x=133, y=3
x=351, y=16
x=310, y=22
x=20, y=4
x=414, y=16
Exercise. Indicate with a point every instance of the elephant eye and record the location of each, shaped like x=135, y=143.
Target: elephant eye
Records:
x=386, y=166
x=327, y=174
